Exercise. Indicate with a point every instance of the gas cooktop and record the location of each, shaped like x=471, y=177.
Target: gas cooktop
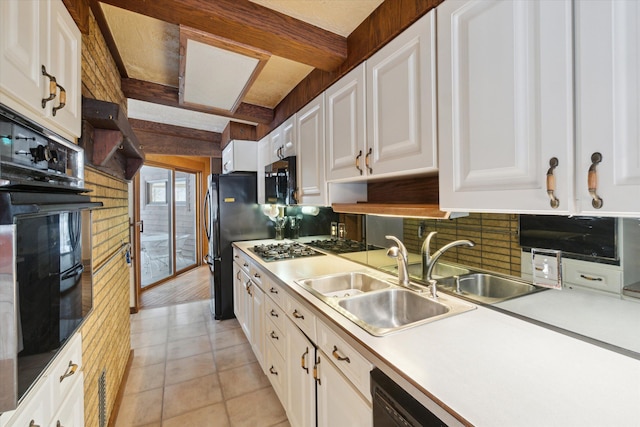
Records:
x=341, y=246
x=283, y=251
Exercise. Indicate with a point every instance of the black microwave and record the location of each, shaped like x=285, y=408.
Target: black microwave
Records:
x=579, y=237
x=280, y=182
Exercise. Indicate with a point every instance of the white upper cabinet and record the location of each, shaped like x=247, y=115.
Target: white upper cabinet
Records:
x=240, y=156
x=401, y=104
x=345, y=127
x=36, y=36
x=607, y=43
x=505, y=98
x=283, y=140
x=312, y=186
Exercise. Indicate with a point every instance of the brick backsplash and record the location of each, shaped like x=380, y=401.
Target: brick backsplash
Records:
x=495, y=236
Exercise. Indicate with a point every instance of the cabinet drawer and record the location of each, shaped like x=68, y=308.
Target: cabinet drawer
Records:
x=66, y=369
x=595, y=276
x=242, y=259
x=275, y=336
x=276, y=372
x=71, y=412
x=35, y=406
x=276, y=293
x=274, y=313
x=355, y=367
x=258, y=276
x=301, y=317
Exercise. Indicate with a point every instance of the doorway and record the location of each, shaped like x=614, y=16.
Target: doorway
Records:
x=168, y=216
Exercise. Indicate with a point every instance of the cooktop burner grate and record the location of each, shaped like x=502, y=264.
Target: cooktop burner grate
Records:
x=282, y=251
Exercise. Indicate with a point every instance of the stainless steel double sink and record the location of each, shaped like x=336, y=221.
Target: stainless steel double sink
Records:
x=379, y=306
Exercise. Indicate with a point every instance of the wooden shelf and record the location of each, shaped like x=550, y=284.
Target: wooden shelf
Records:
x=108, y=139
x=394, y=209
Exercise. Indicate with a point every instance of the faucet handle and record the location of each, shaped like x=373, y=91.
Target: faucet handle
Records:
x=433, y=287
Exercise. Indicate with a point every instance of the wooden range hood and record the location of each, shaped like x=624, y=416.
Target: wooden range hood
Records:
x=406, y=197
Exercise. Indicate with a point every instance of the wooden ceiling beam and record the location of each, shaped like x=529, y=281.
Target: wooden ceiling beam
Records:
x=159, y=138
x=168, y=95
x=250, y=24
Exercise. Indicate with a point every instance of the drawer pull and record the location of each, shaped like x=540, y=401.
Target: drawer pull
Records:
x=62, y=103
x=303, y=359
x=53, y=87
x=592, y=181
x=59, y=424
x=338, y=357
x=273, y=291
x=315, y=371
x=593, y=279
x=273, y=371
x=245, y=264
x=551, y=183
x=71, y=369
x=273, y=313
x=273, y=335
x=33, y=424
x=297, y=315
x=358, y=162
x=256, y=275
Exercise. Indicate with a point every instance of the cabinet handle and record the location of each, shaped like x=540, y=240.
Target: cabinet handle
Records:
x=273, y=313
x=551, y=183
x=593, y=279
x=71, y=369
x=245, y=264
x=225, y=166
x=273, y=290
x=53, y=86
x=366, y=161
x=303, y=359
x=238, y=275
x=63, y=101
x=338, y=357
x=358, y=161
x=592, y=181
x=236, y=257
x=297, y=315
x=315, y=371
x=274, y=335
x=273, y=370
x=59, y=424
x=249, y=288
x=33, y=424
x=256, y=275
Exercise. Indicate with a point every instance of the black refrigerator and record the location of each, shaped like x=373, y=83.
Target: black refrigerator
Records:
x=231, y=214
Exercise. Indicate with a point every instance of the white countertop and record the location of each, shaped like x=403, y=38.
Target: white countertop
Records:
x=490, y=368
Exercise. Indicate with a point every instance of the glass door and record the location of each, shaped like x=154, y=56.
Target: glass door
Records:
x=168, y=206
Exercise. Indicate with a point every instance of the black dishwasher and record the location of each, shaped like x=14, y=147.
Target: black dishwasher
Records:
x=394, y=407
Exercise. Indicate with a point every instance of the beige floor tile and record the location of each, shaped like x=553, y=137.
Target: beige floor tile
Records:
x=186, y=318
x=210, y=416
x=140, y=408
x=148, y=338
x=148, y=324
x=187, y=331
x=243, y=379
x=143, y=378
x=188, y=368
x=224, y=339
x=149, y=355
x=188, y=347
x=232, y=357
x=283, y=424
x=260, y=408
x=222, y=325
x=189, y=395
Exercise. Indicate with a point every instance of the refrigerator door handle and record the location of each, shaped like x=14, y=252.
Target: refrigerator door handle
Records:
x=206, y=209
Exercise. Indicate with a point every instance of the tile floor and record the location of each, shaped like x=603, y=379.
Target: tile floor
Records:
x=191, y=370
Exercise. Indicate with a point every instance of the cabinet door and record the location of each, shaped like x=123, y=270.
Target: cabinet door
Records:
x=263, y=160
x=401, y=103
x=300, y=354
x=257, y=325
x=227, y=159
x=607, y=105
x=65, y=60
x=345, y=127
x=71, y=412
x=289, y=137
x=339, y=404
x=505, y=105
x=23, y=48
x=239, y=295
x=312, y=187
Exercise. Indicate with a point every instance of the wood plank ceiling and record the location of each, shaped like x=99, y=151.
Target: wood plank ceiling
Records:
x=311, y=43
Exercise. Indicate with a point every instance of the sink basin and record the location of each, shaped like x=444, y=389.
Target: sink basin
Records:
x=488, y=287
x=440, y=270
x=344, y=285
x=392, y=309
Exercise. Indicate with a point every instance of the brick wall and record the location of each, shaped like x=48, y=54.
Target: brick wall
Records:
x=105, y=333
x=495, y=236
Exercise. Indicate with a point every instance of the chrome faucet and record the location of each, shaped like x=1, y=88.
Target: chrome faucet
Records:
x=400, y=253
x=425, y=252
x=429, y=261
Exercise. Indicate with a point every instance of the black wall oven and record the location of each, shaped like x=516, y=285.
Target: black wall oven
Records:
x=45, y=285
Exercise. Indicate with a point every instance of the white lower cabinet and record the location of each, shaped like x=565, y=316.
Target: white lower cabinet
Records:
x=248, y=306
x=257, y=326
x=57, y=397
x=299, y=355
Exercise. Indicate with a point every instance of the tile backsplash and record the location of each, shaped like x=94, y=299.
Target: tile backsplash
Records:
x=495, y=236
